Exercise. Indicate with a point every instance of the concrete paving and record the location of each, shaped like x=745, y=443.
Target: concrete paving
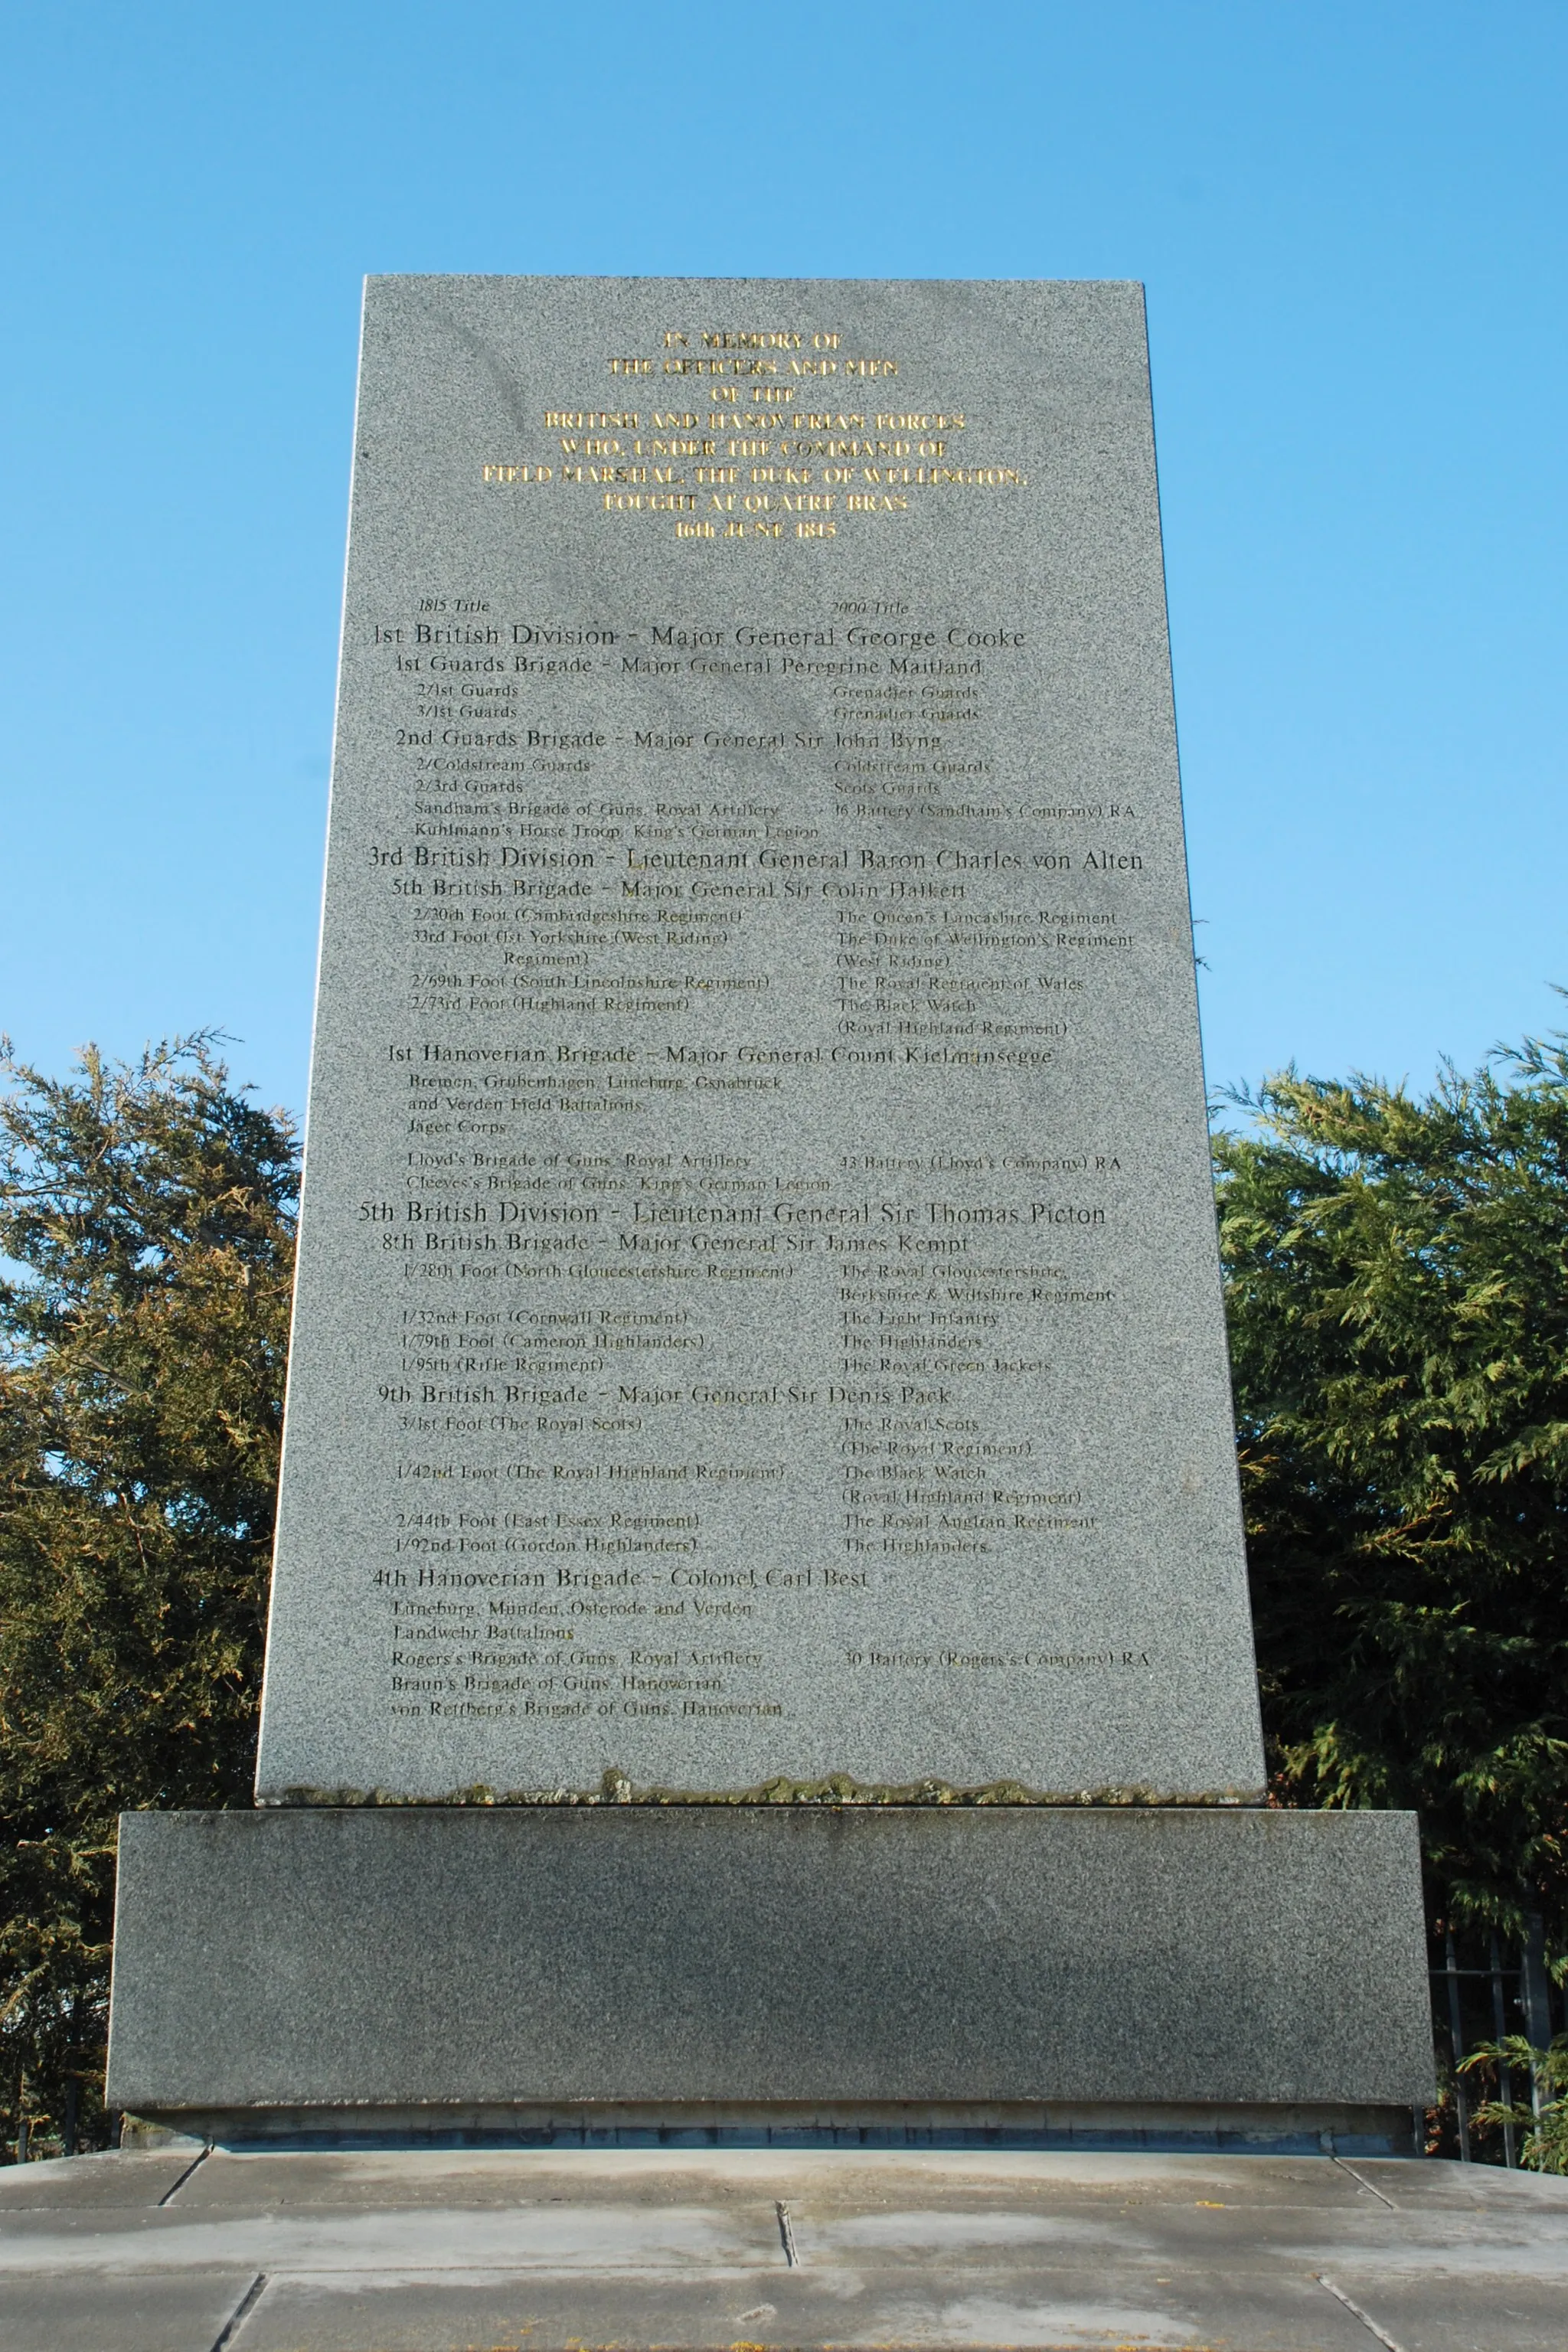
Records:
x=561, y=2250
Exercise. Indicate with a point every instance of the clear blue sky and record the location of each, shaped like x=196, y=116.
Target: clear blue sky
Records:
x=1349, y=219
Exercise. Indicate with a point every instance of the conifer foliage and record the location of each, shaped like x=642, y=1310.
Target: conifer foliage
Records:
x=1397, y=1278
x=147, y=1212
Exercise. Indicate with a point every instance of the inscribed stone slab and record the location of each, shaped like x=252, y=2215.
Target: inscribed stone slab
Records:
x=758, y=1313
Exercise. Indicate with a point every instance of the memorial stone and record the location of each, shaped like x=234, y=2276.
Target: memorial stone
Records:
x=758, y=1315
x=759, y=1638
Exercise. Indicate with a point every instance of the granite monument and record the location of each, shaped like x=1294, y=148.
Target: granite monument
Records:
x=758, y=1343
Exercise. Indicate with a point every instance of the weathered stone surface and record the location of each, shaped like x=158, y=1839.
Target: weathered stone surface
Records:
x=767, y=1955
x=758, y=1309
x=419, y=2250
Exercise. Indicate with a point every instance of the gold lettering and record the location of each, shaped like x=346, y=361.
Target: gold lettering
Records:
x=905, y=447
x=648, y=502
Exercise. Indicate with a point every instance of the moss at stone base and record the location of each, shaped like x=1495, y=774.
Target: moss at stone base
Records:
x=834, y=1788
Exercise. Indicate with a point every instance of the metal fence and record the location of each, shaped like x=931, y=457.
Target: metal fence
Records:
x=1481, y=1996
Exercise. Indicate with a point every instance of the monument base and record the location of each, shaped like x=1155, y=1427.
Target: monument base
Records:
x=785, y=1975
x=1153, y=2129
x=1301, y=2129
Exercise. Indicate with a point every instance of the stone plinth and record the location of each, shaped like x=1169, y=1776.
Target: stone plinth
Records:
x=752, y=1969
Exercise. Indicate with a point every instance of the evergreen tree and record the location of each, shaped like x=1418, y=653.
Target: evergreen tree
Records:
x=1397, y=1279
x=147, y=1214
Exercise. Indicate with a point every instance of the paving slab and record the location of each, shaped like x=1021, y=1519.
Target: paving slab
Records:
x=93, y=2180
x=1451, y=2315
x=1485, y=2188
x=410, y=2177
x=555, y=2237
x=1043, y=2310
x=154, y=2312
x=420, y=2251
